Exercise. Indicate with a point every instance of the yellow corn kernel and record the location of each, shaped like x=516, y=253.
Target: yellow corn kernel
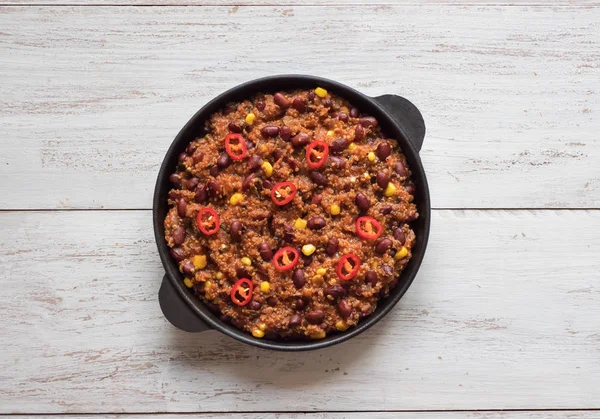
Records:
x=330, y=133
x=371, y=156
x=321, y=271
x=236, y=198
x=265, y=286
x=334, y=209
x=188, y=282
x=308, y=249
x=318, y=335
x=374, y=265
x=257, y=333
x=300, y=224
x=207, y=285
x=199, y=261
x=319, y=91
x=219, y=275
x=267, y=168
x=318, y=280
x=351, y=146
x=262, y=326
x=390, y=190
x=341, y=326
x=401, y=254
x=250, y=118
x=246, y=261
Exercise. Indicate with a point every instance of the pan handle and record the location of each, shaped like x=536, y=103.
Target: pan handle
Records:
x=406, y=115
x=177, y=311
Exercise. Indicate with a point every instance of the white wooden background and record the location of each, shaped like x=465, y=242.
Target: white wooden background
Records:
x=503, y=320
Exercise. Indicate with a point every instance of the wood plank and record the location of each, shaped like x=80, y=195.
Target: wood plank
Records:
x=503, y=315
x=279, y=3
x=509, y=94
x=569, y=414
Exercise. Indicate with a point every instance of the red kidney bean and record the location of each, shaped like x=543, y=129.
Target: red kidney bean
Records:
x=354, y=113
x=344, y=308
x=359, y=132
x=410, y=218
x=236, y=230
x=270, y=131
x=241, y=273
x=334, y=114
x=179, y=236
x=281, y=101
x=285, y=133
x=197, y=157
x=181, y=207
x=288, y=237
x=383, y=245
x=298, y=278
x=174, y=194
x=267, y=184
x=248, y=182
x=399, y=235
x=316, y=223
x=175, y=179
x=201, y=194
x=224, y=160
x=315, y=316
x=332, y=246
x=410, y=188
x=298, y=104
x=388, y=271
x=200, y=288
x=260, y=105
x=300, y=304
x=338, y=145
x=371, y=277
x=318, y=178
x=383, y=179
x=383, y=150
x=400, y=169
x=362, y=202
x=335, y=291
x=292, y=163
x=272, y=301
x=295, y=320
x=301, y=139
x=254, y=162
x=250, y=145
x=191, y=184
x=326, y=103
x=214, y=171
x=265, y=251
x=316, y=199
x=386, y=210
x=393, y=284
x=311, y=95
x=182, y=157
x=368, y=121
x=277, y=154
x=188, y=268
x=254, y=305
x=337, y=162
x=234, y=127
x=191, y=148
x=342, y=116
x=214, y=189
x=307, y=260
x=177, y=253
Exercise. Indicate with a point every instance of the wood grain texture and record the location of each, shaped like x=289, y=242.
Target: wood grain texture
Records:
x=284, y=3
x=92, y=96
x=503, y=315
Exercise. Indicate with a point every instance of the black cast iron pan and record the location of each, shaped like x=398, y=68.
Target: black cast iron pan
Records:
x=399, y=119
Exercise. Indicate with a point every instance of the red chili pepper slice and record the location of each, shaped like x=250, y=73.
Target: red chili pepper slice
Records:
x=241, y=292
x=347, y=267
x=235, y=146
x=208, y=221
x=283, y=192
x=285, y=259
x=316, y=154
x=368, y=227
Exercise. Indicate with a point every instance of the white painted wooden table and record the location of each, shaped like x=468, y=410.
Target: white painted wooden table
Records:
x=503, y=320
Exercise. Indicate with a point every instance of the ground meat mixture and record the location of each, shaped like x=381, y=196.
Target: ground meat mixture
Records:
x=290, y=217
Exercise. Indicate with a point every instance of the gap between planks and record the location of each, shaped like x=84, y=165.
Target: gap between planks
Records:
x=284, y=4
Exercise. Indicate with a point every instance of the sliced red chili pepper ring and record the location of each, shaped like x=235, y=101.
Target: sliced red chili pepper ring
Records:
x=241, y=292
x=316, y=154
x=285, y=259
x=368, y=227
x=347, y=267
x=283, y=192
x=208, y=221
x=235, y=146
